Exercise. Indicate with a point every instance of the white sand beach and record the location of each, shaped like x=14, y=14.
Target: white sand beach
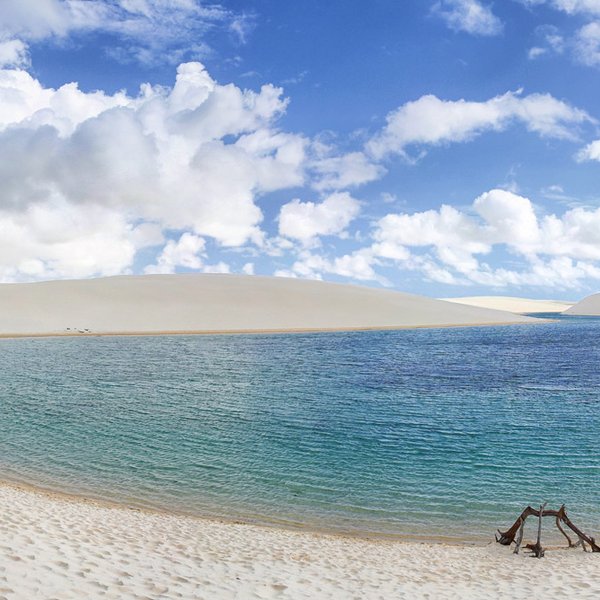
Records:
x=221, y=303
x=59, y=548
x=589, y=306
x=513, y=304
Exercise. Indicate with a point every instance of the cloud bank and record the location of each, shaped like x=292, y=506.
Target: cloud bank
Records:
x=193, y=157
x=449, y=245
x=176, y=178
x=92, y=180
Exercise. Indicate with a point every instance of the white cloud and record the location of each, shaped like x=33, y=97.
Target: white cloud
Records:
x=470, y=16
x=536, y=52
x=147, y=30
x=459, y=247
x=510, y=219
x=306, y=221
x=55, y=239
x=587, y=45
x=283, y=157
x=13, y=53
x=589, y=7
x=286, y=273
x=447, y=227
x=26, y=103
x=348, y=170
x=553, y=42
x=590, y=152
x=186, y=252
x=432, y=121
x=191, y=158
x=584, y=45
x=89, y=179
x=447, y=245
x=220, y=267
x=357, y=265
x=454, y=247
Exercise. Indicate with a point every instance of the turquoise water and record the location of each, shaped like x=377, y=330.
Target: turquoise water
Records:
x=424, y=432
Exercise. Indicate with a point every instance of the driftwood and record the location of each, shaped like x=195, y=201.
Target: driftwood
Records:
x=515, y=533
x=519, y=539
x=536, y=549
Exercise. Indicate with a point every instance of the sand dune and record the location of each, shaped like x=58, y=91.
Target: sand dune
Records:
x=52, y=547
x=514, y=305
x=589, y=306
x=220, y=303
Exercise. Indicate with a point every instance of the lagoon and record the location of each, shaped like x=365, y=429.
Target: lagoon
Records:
x=416, y=433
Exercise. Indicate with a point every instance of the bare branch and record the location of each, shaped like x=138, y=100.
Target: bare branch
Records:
x=506, y=538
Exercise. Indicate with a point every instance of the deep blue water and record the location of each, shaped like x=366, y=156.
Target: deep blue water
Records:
x=430, y=431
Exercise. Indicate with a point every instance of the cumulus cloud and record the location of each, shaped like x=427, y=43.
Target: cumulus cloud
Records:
x=27, y=104
x=13, y=53
x=430, y=121
x=470, y=16
x=220, y=267
x=344, y=171
x=590, y=152
x=248, y=268
x=55, y=239
x=193, y=157
x=88, y=179
x=358, y=265
x=448, y=245
x=587, y=44
x=306, y=221
x=510, y=219
x=447, y=227
x=456, y=247
x=186, y=252
x=146, y=30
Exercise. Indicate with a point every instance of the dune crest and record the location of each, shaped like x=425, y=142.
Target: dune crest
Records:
x=221, y=303
x=513, y=304
x=589, y=306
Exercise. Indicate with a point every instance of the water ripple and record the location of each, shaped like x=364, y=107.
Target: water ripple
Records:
x=407, y=432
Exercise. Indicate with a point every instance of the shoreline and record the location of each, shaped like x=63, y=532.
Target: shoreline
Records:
x=300, y=330
x=274, y=525
x=55, y=548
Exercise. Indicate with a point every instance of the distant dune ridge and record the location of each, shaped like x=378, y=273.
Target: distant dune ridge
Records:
x=589, y=306
x=514, y=305
x=221, y=303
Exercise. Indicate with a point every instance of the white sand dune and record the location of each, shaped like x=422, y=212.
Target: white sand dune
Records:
x=53, y=547
x=514, y=305
x=589, y=306
x=221, y=303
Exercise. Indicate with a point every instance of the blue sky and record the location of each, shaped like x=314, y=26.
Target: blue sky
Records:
x=445, y=147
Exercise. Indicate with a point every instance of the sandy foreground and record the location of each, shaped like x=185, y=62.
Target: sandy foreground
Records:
x=60, y=548
x=220, y=303
x=514, y=305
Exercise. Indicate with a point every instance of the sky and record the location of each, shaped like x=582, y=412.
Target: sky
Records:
x=440, y=147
